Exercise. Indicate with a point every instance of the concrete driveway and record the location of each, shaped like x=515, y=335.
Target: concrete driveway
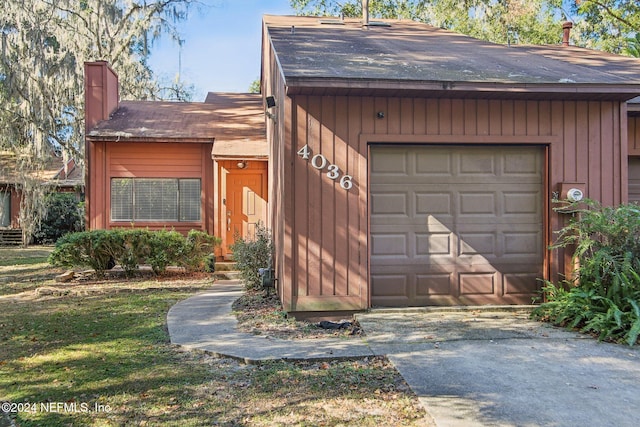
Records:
x=493, y=368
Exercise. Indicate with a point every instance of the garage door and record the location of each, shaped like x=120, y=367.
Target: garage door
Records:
x=634, y=179
x=455, y=225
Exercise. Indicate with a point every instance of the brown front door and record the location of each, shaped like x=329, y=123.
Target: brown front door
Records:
x=245, y=204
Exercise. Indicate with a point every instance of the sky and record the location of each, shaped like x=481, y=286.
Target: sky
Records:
x=221, y=52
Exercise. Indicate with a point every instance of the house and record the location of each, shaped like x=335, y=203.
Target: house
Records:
x=397, y=164
x=155, y=165
x=63, y=175
x=413, y=166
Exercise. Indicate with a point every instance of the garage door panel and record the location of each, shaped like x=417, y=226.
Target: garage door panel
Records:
x=469, y=226
x=478, y=243
x=389, y=204
x=433, y=284
x=477, y=283
x=434, y=203
x=521, y=164
x=477, y=203
x=519, y=203
x=390, y=285
x=388, y=244
x=476, y=163
x=394, y=162
x=523, y=243
x=521, y=284
x=437, y=163
x=433, y=244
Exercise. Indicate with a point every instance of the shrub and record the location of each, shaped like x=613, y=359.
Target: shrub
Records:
x=64, y=214
x=253, y=253
x=102, y=249
x=604, y=299
x=198, y=254
x=135, y=248
x=96, y=249
x=165, y=248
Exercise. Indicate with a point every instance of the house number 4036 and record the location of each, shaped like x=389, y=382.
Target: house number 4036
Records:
x=320, y=162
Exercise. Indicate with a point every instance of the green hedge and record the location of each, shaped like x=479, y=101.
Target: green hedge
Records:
x=101, y=250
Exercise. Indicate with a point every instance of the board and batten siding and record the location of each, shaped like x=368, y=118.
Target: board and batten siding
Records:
x=634, y=135
x=272, y=84
x=149, y=160
x=324, y=264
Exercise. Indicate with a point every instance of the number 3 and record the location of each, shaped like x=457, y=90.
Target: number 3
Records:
x=334, y=172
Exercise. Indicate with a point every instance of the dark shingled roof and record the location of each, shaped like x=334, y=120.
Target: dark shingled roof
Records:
x=348, y=57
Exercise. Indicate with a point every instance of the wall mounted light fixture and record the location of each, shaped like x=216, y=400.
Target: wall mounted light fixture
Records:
x=242, y=164
x=271, y=101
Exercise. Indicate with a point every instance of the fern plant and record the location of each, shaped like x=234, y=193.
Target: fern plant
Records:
x=605, y=298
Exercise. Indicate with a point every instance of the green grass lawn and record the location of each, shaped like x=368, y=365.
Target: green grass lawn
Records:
x=98, y=354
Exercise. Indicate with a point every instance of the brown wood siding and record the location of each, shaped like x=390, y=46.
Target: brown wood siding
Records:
x=326, y=226
x=279, y=176
x=149, y=160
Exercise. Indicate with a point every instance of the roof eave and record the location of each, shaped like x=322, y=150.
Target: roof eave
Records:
x=338, y=86
x=151, y=139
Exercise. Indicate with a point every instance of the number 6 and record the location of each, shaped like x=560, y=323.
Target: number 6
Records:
x=346, y=182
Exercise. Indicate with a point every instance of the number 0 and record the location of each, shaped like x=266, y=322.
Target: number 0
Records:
x=319, y=161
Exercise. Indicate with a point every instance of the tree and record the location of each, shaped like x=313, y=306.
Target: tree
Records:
x=500, y=21
x=610, y=25
x=43, y=46
x=254, y=87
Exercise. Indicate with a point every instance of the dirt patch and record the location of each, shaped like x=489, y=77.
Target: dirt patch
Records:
x=262, y=314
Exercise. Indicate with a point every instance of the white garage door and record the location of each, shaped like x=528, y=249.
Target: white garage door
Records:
x=456, y=224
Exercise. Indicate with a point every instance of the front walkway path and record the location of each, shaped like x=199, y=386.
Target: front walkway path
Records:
x=205, y=322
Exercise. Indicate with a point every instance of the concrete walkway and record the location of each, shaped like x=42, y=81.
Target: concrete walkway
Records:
x=468, y=368
x=205, y=322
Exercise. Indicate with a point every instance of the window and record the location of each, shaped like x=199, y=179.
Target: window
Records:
x=166, y=199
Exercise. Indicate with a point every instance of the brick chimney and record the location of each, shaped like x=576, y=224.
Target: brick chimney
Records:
x=100, y=93
x=566, y=32
x=100, y=100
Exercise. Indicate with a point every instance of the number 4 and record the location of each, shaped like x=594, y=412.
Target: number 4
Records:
x=304, y=152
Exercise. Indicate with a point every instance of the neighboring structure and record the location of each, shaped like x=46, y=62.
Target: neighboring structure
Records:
x=155, y=164
x=64, y=177
x=414, y=166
